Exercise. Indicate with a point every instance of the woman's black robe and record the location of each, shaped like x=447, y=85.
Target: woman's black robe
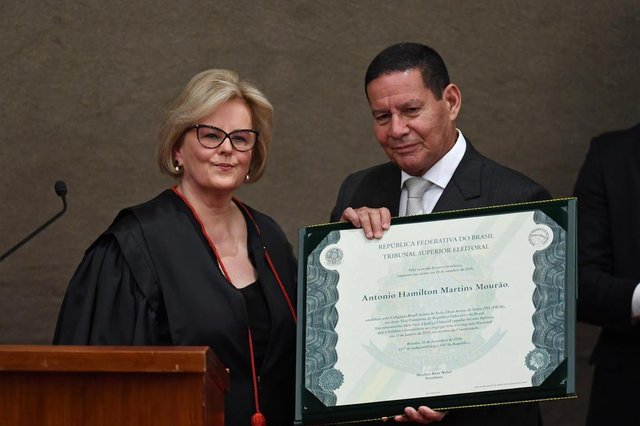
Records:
x=152, y=279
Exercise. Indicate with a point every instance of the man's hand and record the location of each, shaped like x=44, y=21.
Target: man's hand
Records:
x=372, y=221
x=424, y=415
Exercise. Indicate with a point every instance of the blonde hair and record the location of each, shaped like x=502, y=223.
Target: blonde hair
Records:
x=202, y=95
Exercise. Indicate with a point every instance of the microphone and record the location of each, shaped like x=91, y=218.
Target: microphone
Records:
x=61, y=191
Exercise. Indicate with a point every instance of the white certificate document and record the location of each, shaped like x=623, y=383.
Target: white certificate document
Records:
x=443, y=307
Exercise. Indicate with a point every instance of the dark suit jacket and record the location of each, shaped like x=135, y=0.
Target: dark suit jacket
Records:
x=608, y=191
x=477, y=182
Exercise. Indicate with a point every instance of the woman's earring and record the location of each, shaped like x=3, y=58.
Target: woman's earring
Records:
x=177, y=166
x=247, y=177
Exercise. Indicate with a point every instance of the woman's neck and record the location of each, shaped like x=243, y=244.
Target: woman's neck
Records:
x=210, y=206
x=221, y=217
x=225, y=225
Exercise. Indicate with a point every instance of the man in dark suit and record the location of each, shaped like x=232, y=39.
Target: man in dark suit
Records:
x=608, y=191
x=414, y=107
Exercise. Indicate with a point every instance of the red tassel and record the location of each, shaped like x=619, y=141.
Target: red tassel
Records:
x=258, y=420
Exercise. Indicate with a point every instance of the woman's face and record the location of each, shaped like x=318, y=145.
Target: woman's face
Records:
x=221, y=169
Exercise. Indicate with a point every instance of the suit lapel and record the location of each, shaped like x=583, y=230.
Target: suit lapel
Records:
x=381, y=188
x=465, y=184
x=390, y=195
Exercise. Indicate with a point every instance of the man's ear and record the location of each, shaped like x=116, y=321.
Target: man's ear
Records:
x=452, y=96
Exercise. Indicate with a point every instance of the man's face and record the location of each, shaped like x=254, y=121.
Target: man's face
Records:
x=414, y=128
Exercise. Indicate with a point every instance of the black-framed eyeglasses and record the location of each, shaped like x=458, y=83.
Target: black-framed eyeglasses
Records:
x=212, y=137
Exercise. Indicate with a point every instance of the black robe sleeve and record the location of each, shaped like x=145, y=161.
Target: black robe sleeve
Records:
x=112, y=298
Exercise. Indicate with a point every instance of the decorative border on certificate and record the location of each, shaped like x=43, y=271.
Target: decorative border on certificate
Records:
x=422, y=341
x=321, y=378
x=548, y=298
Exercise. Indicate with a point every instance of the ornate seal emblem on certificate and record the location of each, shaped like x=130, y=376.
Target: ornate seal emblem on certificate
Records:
x=447, y=310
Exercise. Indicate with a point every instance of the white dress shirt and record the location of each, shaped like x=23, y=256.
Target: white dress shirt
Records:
x=439, y=175
x=635, y=304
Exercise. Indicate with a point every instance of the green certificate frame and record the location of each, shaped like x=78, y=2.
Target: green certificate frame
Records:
x=450, y=310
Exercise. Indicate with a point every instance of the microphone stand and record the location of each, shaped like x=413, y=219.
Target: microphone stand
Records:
x=61, y=190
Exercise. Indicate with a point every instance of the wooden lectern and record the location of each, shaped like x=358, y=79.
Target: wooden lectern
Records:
x=111, y=386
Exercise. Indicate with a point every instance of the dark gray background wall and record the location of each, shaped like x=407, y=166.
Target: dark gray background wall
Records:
x=84, y=86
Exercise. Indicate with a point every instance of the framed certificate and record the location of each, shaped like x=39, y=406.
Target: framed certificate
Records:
x=449, y=310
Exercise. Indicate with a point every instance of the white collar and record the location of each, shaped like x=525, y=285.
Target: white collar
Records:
x=441, y=173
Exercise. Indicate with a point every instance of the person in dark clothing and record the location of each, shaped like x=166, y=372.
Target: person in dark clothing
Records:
x=414, y=107
x=608, y=191
x=196, y=266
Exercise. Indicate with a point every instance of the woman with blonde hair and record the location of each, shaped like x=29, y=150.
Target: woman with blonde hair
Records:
x=196, y=266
